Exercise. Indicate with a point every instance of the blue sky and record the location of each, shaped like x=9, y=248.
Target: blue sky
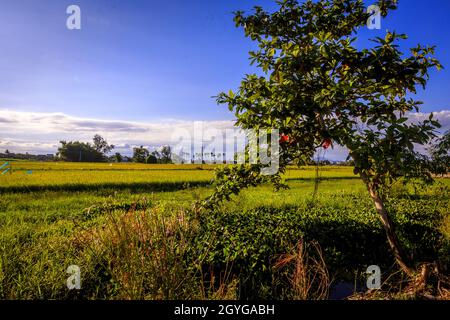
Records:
x=150, y=61
x=132, y=60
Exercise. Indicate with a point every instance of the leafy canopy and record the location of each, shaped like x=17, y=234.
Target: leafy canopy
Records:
x=101, y=145
x=76, y=151
x=440, y=155
x=316, y=87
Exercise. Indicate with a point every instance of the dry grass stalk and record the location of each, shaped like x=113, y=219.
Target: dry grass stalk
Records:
x=309, y=277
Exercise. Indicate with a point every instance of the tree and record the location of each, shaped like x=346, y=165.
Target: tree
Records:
x=75, y=151
x=440, y=155
x=140, y=154
x=318, y=89
x=152, y=158
x=166, y=154
x=101, y=145
x=156, y=154
x=117, y=157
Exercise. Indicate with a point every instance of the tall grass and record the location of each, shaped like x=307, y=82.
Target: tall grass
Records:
x=142, y=252
x=308, y=274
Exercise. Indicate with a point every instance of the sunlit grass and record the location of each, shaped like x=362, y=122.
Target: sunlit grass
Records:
x=42, y=212
x=76, y=175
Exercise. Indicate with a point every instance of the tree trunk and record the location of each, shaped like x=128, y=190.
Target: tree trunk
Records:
x=396, y=248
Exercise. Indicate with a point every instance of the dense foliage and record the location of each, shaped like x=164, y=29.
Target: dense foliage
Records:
x=440, y=155
x=76, y=151
x=319, y=89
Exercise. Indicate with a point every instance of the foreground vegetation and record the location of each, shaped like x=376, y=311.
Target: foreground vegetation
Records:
x=132, y=231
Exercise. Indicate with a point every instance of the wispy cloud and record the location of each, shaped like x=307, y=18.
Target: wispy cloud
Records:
x=38, y=132
x=442, y=116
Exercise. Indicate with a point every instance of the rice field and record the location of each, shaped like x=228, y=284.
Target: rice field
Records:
x=56, y=216
x=73, y=177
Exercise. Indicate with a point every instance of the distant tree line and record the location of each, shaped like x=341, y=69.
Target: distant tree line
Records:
x=98, y=150
x=438, y=160
x=143, y=155
x=26, y=156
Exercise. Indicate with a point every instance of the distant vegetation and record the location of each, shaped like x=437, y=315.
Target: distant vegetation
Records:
x=75, y=151
x=440, y=155
x=7, y=155
x=142, y=155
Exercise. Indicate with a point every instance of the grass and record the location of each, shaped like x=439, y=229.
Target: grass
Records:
x=104, y=217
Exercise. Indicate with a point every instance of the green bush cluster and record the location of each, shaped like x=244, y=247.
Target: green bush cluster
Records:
x=350, y=236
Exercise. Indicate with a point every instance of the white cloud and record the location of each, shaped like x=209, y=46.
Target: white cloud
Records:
x=38, y=132
x=442, y=116
x=23, y=146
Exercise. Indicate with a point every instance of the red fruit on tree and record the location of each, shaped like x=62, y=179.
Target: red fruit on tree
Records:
x=284, y=138
x=326, y=143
